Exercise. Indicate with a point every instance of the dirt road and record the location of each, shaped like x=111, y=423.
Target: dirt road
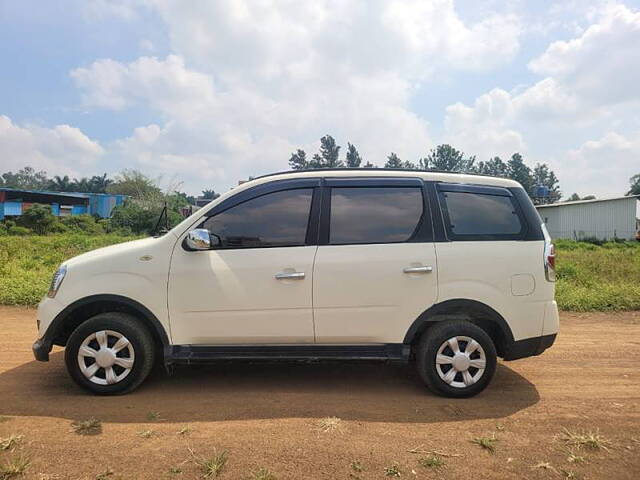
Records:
x=268, y=415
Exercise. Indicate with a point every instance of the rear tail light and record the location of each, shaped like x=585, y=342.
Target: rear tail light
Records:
x=550, y=262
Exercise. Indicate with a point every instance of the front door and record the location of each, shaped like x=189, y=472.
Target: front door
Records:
x=255, y=287
x=375, y=270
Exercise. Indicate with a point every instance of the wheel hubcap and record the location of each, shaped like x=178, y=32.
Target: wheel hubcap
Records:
x=460, y=361
x=106, y=357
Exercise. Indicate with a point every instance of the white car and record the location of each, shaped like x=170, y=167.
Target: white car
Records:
x=447, y=271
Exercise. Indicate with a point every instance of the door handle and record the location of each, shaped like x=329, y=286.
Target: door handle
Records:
x=423, y=269
x=290, y=276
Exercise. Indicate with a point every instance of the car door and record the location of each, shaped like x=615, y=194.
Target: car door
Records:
x=255, y=286
x=375, y=269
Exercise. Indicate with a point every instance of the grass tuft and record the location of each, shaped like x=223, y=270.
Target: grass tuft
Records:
x=146, y=433
x=91, y=426
x=13, y=467
x=392, y=471
x=153, y=416
x=104, y=475
x=10, y=442
x=356, y=466
x=431, y=461
x=186, y=430
x=574, y=458
x=263, y=474
x=487, y=443
x=329, y=424
x=4, y=418
x=211, y=467
x=588, y=439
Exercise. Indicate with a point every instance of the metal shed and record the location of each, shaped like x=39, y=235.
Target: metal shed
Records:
x=14, y=201
x=602, y=219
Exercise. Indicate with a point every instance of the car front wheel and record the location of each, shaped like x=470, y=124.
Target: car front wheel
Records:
x=109, y=354
x=456, y=359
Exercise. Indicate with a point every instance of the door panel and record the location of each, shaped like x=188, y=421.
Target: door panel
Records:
x=232, y=296
x=362, y=294
x=255, y=287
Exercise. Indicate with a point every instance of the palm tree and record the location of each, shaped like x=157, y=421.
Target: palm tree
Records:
x=60, y=184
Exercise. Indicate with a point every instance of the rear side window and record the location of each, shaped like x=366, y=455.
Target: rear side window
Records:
x=481, y=216
x=278, y=219
x=374, y=214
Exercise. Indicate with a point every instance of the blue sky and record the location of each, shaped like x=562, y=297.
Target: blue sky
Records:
x=207, y=93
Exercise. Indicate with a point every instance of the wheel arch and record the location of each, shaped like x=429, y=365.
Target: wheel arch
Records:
x=473, y=311
x=81, y=310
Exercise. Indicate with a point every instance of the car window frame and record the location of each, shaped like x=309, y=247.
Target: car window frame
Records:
x=443, y=188
x=423, y=231
x=311, y=234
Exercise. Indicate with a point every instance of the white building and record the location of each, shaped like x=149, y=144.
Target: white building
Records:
x=603, y=219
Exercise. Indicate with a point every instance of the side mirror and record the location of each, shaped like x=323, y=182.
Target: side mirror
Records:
x=198, y=239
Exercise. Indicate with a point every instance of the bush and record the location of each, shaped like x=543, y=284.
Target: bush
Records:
x=83, y=224
x=20, y=231
x=38, y=218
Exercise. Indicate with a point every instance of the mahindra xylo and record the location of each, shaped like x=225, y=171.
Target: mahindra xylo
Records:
x=448, y=271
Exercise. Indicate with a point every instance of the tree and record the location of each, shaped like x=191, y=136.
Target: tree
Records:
x=134, y=184
x=544, y=176
x=635, y=185
x=298, y=160
x=393, y=161
x=60, y=184
x=448, y=159
x=353, y=157
x=493, y=167
x=38, y=218
x=329, y=154
x=517, y=170
x=99, y=183
x=575, y=197
x=209, y=194
x=26, y=178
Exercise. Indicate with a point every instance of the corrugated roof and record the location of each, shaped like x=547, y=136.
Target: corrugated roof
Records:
x=52, y=192
x=579, y=202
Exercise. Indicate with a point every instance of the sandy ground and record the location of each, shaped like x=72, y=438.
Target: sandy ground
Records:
x=266, y=415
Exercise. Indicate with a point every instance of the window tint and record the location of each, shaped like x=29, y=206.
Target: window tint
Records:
x=480, y=214
x=374, y=215
x=273, y=220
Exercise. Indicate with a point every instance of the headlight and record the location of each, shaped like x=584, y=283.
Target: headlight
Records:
x=56, y=281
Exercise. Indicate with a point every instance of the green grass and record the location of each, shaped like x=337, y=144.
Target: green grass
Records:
x=598, y=278
x=28, y=263
x=590, y=277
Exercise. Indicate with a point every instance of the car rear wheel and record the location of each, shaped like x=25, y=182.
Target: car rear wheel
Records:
x=109, y=354
x=456, y=359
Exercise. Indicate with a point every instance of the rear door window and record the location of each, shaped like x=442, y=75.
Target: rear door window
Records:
x=361, y=215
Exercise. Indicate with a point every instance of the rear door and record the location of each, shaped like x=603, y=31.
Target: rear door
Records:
x=375, y=268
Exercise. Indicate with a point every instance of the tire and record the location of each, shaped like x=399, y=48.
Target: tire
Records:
x=459, y=384
x=126, y=369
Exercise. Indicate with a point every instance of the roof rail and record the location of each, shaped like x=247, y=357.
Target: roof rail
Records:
x=366, y=169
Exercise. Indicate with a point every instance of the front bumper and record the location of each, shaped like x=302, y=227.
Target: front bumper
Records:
x=41, y=349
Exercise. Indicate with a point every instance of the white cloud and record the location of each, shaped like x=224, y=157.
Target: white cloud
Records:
x=599, y=163
x=599, y=65
x=590, y=88
x=250, y=81
x=62, y=148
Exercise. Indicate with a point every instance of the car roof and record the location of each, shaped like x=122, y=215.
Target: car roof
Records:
x=429, y=175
